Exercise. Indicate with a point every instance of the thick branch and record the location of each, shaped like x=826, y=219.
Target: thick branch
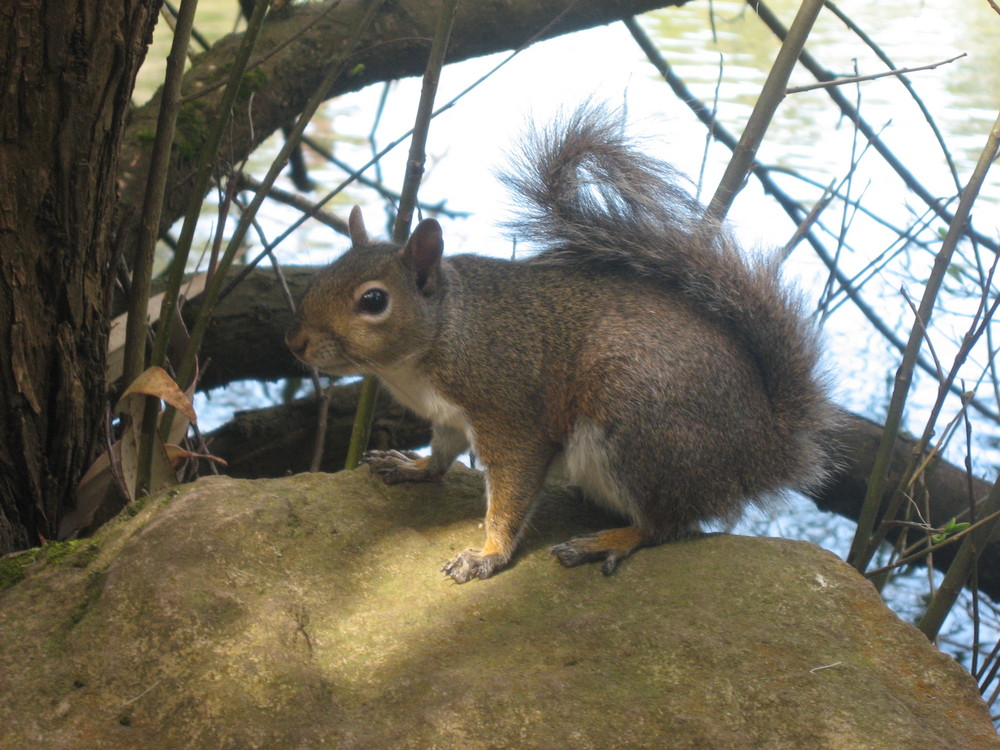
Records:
x=246, y=340
x=278, y=89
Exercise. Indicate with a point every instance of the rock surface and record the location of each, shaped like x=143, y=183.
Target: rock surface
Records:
x=310, y=612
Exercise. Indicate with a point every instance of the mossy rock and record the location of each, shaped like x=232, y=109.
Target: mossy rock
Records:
x=310, y=612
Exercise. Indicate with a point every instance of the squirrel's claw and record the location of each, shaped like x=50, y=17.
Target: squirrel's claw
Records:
x=472, y=563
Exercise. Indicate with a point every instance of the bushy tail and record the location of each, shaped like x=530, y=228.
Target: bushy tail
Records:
x=589, y=196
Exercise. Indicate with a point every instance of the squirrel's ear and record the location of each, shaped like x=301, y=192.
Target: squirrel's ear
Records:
x=423, y=250
x=356, y=226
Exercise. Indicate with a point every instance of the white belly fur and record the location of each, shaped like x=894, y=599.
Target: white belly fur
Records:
x=585, y=461
x=416, y=393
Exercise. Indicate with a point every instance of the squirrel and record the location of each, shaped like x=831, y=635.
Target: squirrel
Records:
x=670, y=376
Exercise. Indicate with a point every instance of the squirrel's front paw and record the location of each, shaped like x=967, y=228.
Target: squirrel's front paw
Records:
x=399, y=466
x=472, y=563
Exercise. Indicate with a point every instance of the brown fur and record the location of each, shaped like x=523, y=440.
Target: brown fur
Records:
x=672, y=377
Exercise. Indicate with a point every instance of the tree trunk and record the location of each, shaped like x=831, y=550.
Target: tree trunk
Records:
x=67, y=71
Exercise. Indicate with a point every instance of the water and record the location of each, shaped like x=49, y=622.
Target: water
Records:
x=809, y=136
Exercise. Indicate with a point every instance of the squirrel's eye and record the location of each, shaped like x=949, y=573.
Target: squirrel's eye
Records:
x=373, y=301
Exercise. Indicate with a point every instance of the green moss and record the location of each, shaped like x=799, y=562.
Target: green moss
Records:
x=79, y=553
x=132, y=509
x=12, y=568
x=252, y=81
x=145, y=136
x=192, y=122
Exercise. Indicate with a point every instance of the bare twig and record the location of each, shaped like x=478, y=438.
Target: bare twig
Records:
x=958, y=572
x=149, y=222
x=847, y=21
x=356, y=174
x=871, y=77
x=206, y=160
x=789, y=205
x=268, y=55
x=916, y=466
x=306, y=206
x=923, y=553
x=211, y=297
x=322, y=419
x=376, y=185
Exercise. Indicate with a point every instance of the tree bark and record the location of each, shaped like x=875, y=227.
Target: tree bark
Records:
x=396, y=48
x=67, y=70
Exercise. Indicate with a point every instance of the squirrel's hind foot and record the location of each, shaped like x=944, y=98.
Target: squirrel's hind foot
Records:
x=394, y=467
x=610, y=547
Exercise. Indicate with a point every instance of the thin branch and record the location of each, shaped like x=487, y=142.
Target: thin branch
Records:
x=871, y=77
x=376, y=185
x=788, y=204
x=860, y=33
x=268, y=55
x=352, y=177
x=922, y=554
x=322, y=421
x=187, y=366
x=306, y=206
x=864, y=544
x=206, y=161
x=149, y=222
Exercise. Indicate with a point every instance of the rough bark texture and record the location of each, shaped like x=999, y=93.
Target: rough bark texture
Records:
x=397, y=47
x=67, y=70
